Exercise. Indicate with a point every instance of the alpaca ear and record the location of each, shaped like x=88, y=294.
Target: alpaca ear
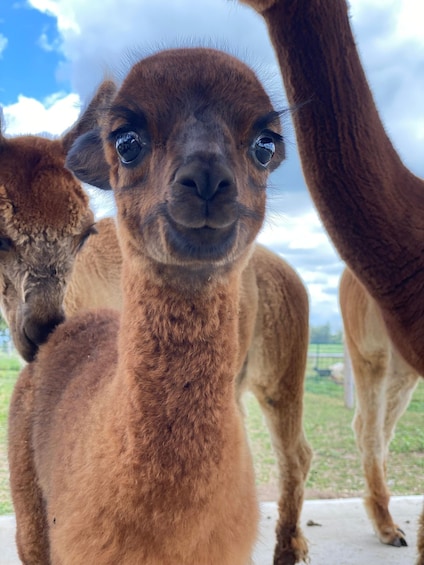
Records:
x=90, y=118
x=86, y=160
x=82, y=144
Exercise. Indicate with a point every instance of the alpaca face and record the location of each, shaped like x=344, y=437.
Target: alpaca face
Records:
x=44, y=219
x=189, y=141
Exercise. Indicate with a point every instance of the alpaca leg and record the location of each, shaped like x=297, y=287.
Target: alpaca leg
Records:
x=401, y=383
x=420, y=541
x=283, y=413
x=31, y=527
x=371, y=377
x=275, y=373
x=277, y=379
x=402, y=380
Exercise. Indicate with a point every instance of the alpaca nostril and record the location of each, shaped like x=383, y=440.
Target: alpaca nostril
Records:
x=224, y=185
x=189, y=183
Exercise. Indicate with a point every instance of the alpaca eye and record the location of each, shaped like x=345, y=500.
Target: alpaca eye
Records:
x=264, y=149
x=83, y=238
x=128, y=146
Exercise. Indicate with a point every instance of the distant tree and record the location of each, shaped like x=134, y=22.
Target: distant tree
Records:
x=323, y=334
x=320, y=334
x=337, y=337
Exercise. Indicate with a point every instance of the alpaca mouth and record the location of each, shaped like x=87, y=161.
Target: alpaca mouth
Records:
x=201, y=244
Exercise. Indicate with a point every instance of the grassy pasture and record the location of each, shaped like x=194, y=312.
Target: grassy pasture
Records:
x=336, y=470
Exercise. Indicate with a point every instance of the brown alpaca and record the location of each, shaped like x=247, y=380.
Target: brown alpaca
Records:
x=273, y=325
x=275, y=365
x=384, y=385
x=370, y=203
x=44, y=221
x=126, y=441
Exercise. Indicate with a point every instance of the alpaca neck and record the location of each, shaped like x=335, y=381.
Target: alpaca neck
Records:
x=177, y=358
x=369, y=202
x=349, y=163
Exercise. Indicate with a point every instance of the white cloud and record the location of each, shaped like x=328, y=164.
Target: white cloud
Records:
x=410, y=21
x=3, y=44
x=408, y=17
x=64, y=11
x=101, y=34
x=53, y=115
x=298, y=236
x=47, y=45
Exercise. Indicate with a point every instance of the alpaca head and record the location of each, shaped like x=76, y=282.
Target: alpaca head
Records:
x=44, y=221
x=187, y=144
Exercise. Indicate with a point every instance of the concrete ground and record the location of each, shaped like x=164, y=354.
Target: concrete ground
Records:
x=342, y=534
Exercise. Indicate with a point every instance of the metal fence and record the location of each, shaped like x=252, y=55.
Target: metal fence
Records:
x=331, y=361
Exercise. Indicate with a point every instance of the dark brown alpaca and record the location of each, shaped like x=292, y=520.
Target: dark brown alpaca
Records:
x=126, y=440
x=44, y=221
x=370, y=203
x=384, y=384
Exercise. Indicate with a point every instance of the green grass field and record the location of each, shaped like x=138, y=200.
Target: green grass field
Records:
x=335, y=471
x=9, y=367
x=336, y=468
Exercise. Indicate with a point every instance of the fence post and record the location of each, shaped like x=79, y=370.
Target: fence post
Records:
x=349, y=385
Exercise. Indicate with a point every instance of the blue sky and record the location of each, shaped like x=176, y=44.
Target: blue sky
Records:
x=53, y=53
x=26, y=66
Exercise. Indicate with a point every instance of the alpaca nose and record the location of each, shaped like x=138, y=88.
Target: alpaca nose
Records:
x=206, y=177
x=35, y=330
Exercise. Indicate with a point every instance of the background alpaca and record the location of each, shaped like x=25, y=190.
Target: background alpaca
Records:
x=370, y=203
x=171, y=482
x=274, y=371
x=44, y=221
x=384, y=385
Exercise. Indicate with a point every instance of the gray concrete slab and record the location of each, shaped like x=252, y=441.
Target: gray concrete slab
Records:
x=344, y=536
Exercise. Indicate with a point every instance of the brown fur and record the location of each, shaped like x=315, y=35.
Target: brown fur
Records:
x=384, y=385
x=96, y=275
x=370, y=203
x=273, y=342
x=126, y=443
x=275, y=370
x=44, y=220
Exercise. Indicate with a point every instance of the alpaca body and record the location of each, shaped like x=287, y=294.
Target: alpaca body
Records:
x=371, y=205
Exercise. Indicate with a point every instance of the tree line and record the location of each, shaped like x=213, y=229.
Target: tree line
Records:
x=324, y=334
